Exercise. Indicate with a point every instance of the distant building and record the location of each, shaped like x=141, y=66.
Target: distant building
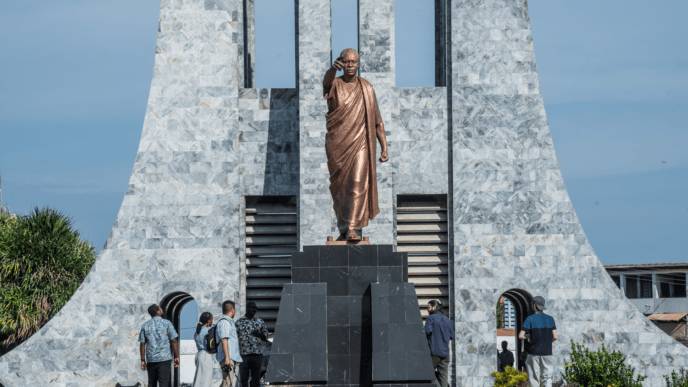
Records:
x=508, y=317
x=659, y=292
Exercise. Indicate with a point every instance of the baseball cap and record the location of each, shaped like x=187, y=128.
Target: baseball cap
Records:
x=539, y=302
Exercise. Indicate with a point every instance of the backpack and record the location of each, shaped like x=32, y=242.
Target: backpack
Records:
x=211, y=343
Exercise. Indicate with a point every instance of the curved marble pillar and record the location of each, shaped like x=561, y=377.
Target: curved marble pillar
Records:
x=514, y=224
x=177, y=228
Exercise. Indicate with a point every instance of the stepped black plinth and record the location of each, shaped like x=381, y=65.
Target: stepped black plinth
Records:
x=350, y=318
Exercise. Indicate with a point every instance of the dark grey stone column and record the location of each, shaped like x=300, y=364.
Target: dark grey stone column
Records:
x=356, y=331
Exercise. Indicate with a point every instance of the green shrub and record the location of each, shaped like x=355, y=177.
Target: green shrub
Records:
x=599, y=368
x=677, y=380
x=511, y=377
x=42, y=263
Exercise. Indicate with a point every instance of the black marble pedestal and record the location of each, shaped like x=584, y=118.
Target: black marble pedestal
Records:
x=330, y=331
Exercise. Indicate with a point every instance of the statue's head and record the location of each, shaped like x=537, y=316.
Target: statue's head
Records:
x=350, y=59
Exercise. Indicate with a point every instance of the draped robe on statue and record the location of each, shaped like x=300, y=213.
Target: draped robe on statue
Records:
x=352, y=119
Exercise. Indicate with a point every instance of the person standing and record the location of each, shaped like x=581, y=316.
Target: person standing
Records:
x=541, y=330
x=204, y=360
x=506, y=358
x=228, y=354
x=251, y=331
x=156, y=337
x=439, y=330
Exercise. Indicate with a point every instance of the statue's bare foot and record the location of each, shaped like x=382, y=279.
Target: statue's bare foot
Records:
x=352, y=236
x=342, y=236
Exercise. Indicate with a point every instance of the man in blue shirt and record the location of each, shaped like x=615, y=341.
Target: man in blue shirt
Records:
x=156, y=337
x=541, y=331
x=439, y=330
x=228, y=355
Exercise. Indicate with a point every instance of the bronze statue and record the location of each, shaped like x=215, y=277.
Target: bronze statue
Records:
x=353, y=123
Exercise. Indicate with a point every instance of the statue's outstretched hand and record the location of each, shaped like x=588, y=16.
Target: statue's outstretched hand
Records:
x=384, y=157
x=338, y=64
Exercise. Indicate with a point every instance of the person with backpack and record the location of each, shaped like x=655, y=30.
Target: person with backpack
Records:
x=228, y=354
x=204, y=360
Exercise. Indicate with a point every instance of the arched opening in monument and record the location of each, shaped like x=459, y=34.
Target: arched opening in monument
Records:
x=187, y=346
x=513, y=306
x=416, y=43
x=275, y=64
x=173, y=306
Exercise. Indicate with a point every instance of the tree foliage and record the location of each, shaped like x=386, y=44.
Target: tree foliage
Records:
x=42, y=263
x=599, y=368
x=679, y=379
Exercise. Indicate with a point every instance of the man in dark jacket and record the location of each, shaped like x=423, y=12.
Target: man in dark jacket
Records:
x=439, y=330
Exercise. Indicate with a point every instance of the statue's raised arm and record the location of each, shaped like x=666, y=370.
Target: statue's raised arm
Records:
x=354, y=124
x=331, y=73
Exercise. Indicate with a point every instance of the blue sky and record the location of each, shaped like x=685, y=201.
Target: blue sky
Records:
x=614, y=74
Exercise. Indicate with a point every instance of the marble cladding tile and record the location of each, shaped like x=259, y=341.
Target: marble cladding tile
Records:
x=268, y=142
x=419, y=143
